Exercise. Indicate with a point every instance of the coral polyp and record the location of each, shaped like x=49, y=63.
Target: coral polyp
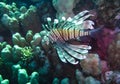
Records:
x=27, y=53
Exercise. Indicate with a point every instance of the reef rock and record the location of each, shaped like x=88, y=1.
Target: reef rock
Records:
x=64, y=7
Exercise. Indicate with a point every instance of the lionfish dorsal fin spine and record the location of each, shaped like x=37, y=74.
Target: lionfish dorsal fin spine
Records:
x=80, y=14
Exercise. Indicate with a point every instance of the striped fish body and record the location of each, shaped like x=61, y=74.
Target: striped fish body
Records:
x=63, y=35
x=59, y=32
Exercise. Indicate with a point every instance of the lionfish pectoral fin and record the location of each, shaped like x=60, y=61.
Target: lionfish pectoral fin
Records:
x=77, y=49
x=60, y=54
x=74, y=54
x=79, y=46
x=64, y=57
x=70, y=59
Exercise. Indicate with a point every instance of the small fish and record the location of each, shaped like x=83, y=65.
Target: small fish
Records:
x=61, y=31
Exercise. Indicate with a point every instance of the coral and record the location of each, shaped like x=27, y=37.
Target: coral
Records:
x=85, y=80
x=44, y=72
x=114, y=53
x=16, y=19
x=6, y=54
x=27, y=53
x=31, y=59
x=36, y=40
x=34, y=78
x=104, y=66
x=19, y=40
x=16, y=53
x=79, y=76
x=15, y=69
x=91, y=80
x=26, y=48
x=22, y=76
x=55, y=81
x=5, y=81
x=65, y=81
x=29, y=39
x=1, y=78
x=2, y=45
x=10, y=22
x=30, y=20
x=91, y=65
x=112, y=77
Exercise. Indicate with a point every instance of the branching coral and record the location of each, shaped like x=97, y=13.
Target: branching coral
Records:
x=29, y=39
x=16, y=19
x=2, y=45
x=5, y=81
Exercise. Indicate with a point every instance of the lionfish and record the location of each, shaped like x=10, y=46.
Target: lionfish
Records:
x=64, y=30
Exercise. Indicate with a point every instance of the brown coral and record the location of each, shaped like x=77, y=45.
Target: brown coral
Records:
x=114, y=53
x=91, y=65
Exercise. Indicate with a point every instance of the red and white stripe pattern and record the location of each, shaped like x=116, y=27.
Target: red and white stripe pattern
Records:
x=61, y=31
x=66, y=34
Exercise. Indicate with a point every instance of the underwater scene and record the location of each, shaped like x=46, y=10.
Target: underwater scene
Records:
x=59, y=41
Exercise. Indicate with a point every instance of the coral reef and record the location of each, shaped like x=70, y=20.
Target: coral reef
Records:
x=29, y=58
x=16, y=19
x=23, y=77
x=85, y=80
x=31, y=54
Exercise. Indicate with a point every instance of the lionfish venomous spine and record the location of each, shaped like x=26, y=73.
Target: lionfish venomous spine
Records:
x=61, y=31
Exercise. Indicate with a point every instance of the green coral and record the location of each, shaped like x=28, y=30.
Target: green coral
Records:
x=27, y=53
x=1, y=61
x=2, y=45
